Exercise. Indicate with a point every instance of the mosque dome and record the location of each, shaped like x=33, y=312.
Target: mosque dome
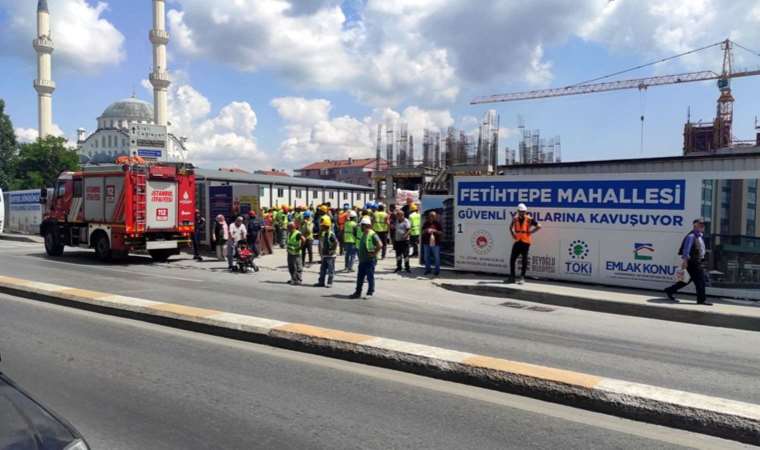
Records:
x=125, y=111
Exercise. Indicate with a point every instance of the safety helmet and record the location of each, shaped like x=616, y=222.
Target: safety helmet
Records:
x=346, y=206
x=414, y=207
x=352, y=214
x=522, y=207
x=307, y=214
x=325, y=221
x=366, y=221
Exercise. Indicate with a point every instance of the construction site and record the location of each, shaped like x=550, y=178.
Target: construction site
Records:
x=453, y=152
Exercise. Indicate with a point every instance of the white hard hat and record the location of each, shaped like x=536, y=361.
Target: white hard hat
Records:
x=352, y=214
x=366, y=221
x=522, y=207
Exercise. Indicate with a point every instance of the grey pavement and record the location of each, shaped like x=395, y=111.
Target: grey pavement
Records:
x=131, y=385
x=706, y=360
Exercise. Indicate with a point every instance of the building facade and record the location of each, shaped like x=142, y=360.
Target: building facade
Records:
x=352, y=171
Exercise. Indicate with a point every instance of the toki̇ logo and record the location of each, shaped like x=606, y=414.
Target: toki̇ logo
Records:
x=577, y=252
x=643, y=252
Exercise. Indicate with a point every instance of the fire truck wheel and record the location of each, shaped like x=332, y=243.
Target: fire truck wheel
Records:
x=53, y=246
x=103, y=247
x=161, y=255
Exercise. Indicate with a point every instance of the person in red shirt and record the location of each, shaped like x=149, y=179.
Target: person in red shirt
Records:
x=432, y=233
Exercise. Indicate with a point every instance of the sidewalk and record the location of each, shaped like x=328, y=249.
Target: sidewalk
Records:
x=726, y=313
x=22, y=238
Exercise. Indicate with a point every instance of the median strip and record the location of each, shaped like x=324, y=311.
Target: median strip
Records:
x=700, y=413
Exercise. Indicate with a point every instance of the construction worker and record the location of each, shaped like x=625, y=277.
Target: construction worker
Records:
x=295, y=263
x=522, y=229
x=280, y=225
x=351, y=234
x=380, y=226
x=368, y=246
x=342, y=218
x=307, y=230
x=415, y=219
x=328, y=249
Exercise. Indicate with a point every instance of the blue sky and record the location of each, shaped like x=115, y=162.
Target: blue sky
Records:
x=325, y=112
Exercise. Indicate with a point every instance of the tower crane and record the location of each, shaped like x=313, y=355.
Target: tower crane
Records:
x=724, y=116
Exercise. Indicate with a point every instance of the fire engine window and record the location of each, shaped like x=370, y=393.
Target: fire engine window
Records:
x=78, y=188
x=60, y=190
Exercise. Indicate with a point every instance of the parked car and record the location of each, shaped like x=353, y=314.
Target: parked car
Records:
x=26, y=424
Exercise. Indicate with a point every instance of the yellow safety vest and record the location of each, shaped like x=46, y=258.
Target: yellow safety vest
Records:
x=416, y=220
x=380, y=225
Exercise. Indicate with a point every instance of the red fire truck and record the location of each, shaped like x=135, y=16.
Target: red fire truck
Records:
x=130, y=206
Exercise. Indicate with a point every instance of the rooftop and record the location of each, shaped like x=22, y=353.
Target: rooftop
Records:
x=342, y=163
x=131, y=109
x=216, y=175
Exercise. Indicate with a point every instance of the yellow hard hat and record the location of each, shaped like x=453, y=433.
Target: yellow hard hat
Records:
x=325, y=221
x=414, y=207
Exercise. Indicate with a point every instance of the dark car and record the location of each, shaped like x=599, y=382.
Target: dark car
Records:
x=26, y=424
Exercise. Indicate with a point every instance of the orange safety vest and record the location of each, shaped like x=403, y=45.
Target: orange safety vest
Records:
x=522, y=230
x=342, y=220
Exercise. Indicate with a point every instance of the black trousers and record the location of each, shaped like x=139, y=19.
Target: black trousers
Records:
x=384, y=238
x=697, y=274
x=402, y=254
x=196, y=240
x=519, y=249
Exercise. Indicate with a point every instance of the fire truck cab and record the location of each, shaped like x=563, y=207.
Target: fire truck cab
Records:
x=121, y=208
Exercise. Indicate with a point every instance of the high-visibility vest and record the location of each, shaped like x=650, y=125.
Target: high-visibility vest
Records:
x=380, y=225
x=328, y=243
x=294, y=243
x=349, y=232
x=307, y=228
x=522, y=230
x=342, y=218
x=367, y=244
x=416, y=220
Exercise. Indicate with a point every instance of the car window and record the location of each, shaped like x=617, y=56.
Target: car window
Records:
x=20, y=416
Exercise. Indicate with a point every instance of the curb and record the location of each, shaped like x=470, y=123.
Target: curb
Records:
x=20, y=238
x=719, y=417
x=708, y=318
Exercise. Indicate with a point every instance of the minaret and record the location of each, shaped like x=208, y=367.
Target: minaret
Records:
x=159, y=78
x=44, y=84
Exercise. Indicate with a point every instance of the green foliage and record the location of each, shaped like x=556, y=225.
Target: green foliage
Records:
x=39, y=163
x=8, y=148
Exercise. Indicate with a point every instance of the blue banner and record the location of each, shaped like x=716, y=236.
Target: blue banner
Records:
x=220, y=201
x=592, y=194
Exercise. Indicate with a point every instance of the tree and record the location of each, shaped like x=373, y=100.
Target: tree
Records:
x=8, y=148
x=39, y=163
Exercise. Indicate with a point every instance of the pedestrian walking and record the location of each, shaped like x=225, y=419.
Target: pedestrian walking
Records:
x=522, y=229
x=295, y=263
x=432, y=232
x=692, y=252
x=369, y=244
x=200, y=225
x=414, y=234
x=307, y=231
x=328, y=250
x=237, y=233
x=220, y=236
x=253, y=229
x=380, y=226
x=351, y=235
x=401, y=235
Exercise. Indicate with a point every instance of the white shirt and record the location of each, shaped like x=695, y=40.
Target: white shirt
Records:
x=237, y=233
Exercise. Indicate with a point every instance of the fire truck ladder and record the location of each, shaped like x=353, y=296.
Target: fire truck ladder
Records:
x=140, y=201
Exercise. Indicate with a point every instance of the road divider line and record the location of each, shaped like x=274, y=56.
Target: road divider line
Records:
x=719, y=417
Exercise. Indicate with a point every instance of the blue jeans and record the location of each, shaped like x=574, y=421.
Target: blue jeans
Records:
x=327, y=269
x=366, y=269
x=350, y=253
x=432, y=255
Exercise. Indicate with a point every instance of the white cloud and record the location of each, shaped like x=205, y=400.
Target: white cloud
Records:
x=26, y=135
x=84, y=40
x=222, y=140
x=312, y=134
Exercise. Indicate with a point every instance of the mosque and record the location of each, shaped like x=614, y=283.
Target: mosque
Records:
x=111, y=137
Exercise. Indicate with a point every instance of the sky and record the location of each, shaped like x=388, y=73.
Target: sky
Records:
x=281, y=83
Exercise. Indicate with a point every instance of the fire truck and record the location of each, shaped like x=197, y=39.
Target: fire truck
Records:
x=128, y=207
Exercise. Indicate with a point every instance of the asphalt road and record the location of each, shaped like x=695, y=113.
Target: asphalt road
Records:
x=706, y=360
x=131, y=385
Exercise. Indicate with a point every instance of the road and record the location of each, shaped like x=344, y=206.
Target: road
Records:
x=132, y=385
x=714, y=361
